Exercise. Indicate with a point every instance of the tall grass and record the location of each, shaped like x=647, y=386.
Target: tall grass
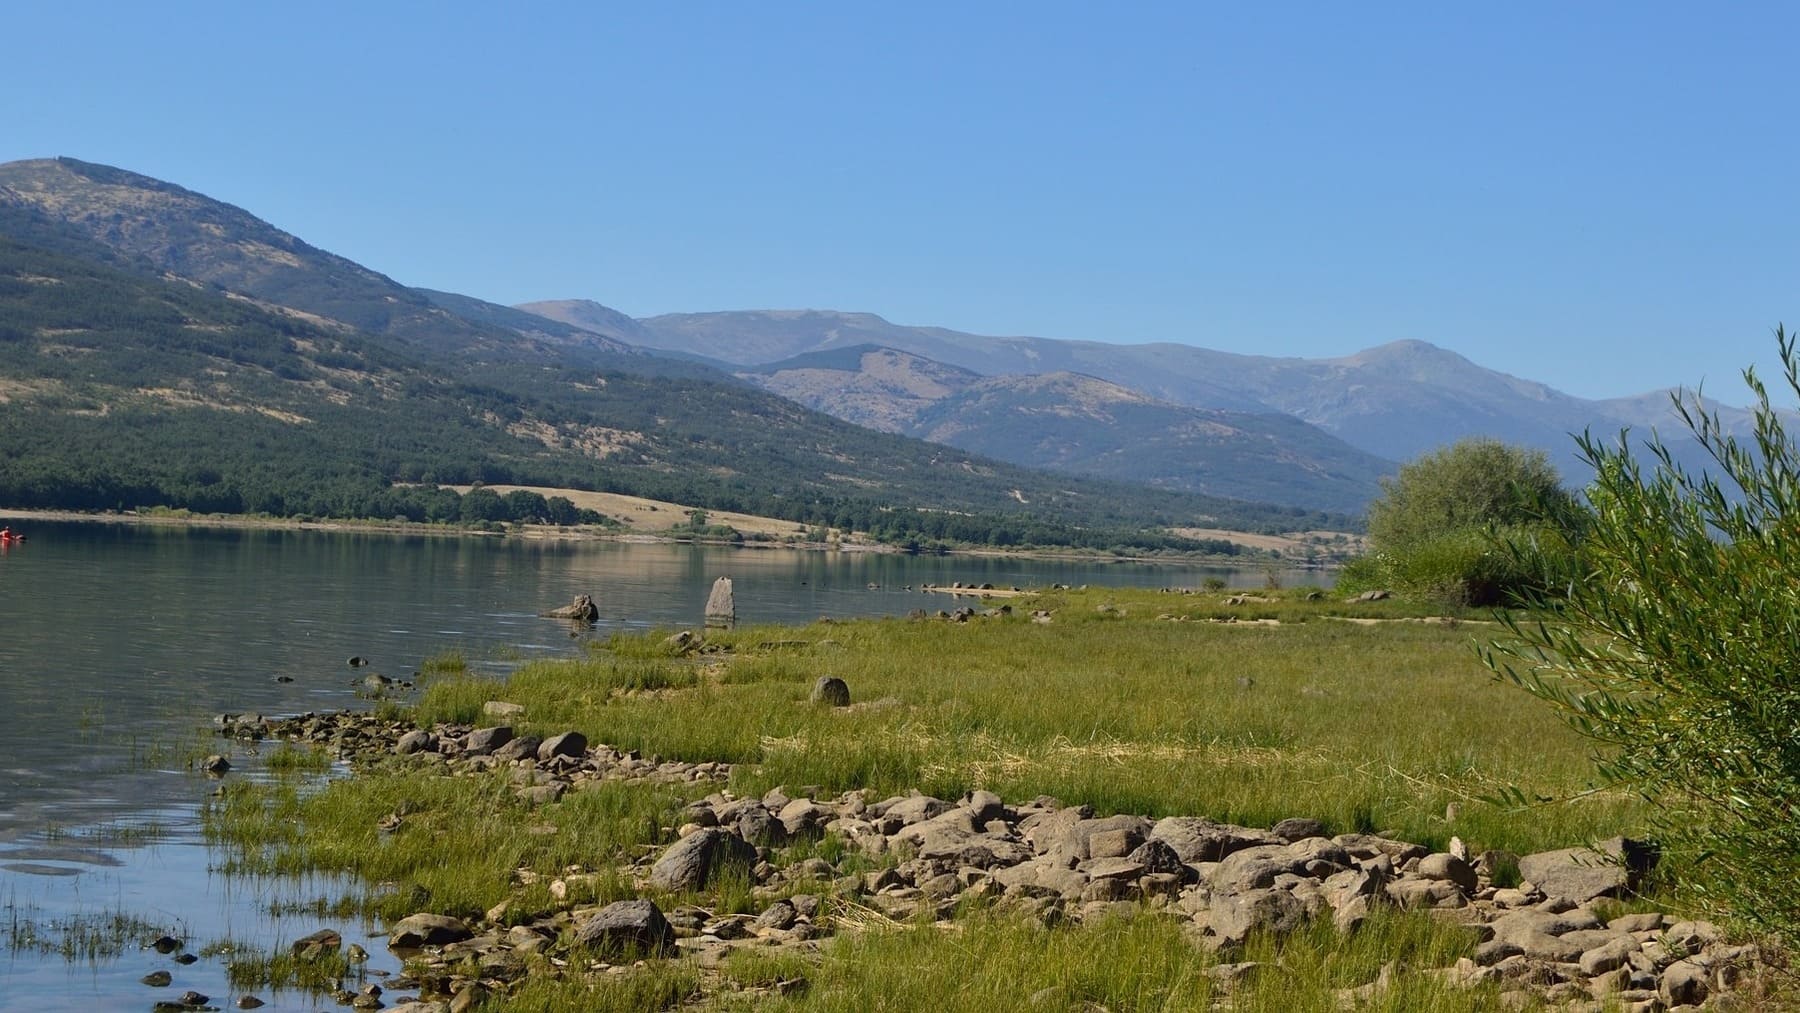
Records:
x=1373, y=727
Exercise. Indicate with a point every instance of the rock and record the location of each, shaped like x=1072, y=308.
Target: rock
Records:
x=426, y=929
x=1373, y=596
x=1201, y=840
x=1445, y=866
x=165, y=944
x=483, y=741
x=779, y=915
x=803, y=817
x=983, y=806
x=1158, y=856
x=831, y=691
x=1579, y=875
x=581, y=609
x=317, y=944
x=1234, y=917
x=1297, y=829
x=523, y=747
x=696, y=859
x=567, y=744
x=416, y=741
x=721, y=606
x=758, y=826
x=681, y=642
x=157, y=979
x=1255, y=868
x=1608, y=956
x=627, y=927
x=249, y=1002
x=1692, y=936
x=215, y=765
x=912, y=808
x=1684, y=983
x=356, y=661
x=503, y=710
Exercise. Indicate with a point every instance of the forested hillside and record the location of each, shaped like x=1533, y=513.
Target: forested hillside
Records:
x=121, y=390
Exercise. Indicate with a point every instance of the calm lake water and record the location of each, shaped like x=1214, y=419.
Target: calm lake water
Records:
x=119, y=642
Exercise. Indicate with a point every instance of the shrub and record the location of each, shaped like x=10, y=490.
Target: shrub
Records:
x=1678, y=653
x=1475, y=523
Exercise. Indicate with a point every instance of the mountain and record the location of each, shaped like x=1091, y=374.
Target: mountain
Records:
x=1084, y=426
x=590, y=316
x=1395, y=401
x=159, y=347
x=882, y=388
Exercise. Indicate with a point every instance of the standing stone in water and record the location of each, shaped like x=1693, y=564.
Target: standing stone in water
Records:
x=721, y=608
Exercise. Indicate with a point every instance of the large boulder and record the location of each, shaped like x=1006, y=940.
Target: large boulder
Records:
x=1613, y=868
x=627, y=927
x=696, y=859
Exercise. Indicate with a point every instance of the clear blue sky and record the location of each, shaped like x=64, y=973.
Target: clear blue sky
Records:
x=1603, y=196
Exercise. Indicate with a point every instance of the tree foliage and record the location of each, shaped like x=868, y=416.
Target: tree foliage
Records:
x=1678, y=652
x=1442, y=526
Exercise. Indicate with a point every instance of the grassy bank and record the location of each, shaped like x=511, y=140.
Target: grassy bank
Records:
x=1370, y=726
x=1130, y=701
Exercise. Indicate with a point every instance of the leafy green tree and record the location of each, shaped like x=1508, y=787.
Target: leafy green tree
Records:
x=1442, y=525
x=1678, y=654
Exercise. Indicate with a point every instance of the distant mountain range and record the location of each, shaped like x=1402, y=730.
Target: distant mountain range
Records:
x=1395, y=401
x=161, y=347
x=808, y=412
x=1082, y=425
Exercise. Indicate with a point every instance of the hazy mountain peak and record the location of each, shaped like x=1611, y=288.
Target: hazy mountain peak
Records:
x=588, y=315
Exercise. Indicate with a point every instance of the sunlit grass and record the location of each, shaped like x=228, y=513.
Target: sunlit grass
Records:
x=1362, y=726
x=1127, y=700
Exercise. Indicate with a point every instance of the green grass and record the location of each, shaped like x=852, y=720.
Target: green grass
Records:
x=1361, y=726
x=296, y=760
x=1367, y=727
x=988, y=960
x=457, y=846
x=89, y=937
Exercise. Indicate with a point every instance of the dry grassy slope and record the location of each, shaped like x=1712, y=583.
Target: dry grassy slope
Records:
x=654, y=516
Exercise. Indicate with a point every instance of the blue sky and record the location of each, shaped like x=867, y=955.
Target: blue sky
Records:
x=1602, y=196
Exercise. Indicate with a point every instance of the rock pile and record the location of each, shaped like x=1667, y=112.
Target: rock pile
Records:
x=544, y=767
x=1540, y=938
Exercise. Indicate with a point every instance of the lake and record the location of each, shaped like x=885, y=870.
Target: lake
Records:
x=120, y=641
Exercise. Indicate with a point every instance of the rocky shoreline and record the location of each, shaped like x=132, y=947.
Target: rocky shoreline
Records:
x=1540, y=920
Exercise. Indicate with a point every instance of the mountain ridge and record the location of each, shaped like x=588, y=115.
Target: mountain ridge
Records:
x=505, y=399
x=1396, y=400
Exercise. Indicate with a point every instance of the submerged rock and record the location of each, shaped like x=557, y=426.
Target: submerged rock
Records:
x=582, y=609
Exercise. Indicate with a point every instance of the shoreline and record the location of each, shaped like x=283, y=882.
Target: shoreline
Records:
x=544, y=532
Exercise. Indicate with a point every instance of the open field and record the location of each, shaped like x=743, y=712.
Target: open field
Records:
x=1129, y=701
x=653, y=516
x=1332, y=544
